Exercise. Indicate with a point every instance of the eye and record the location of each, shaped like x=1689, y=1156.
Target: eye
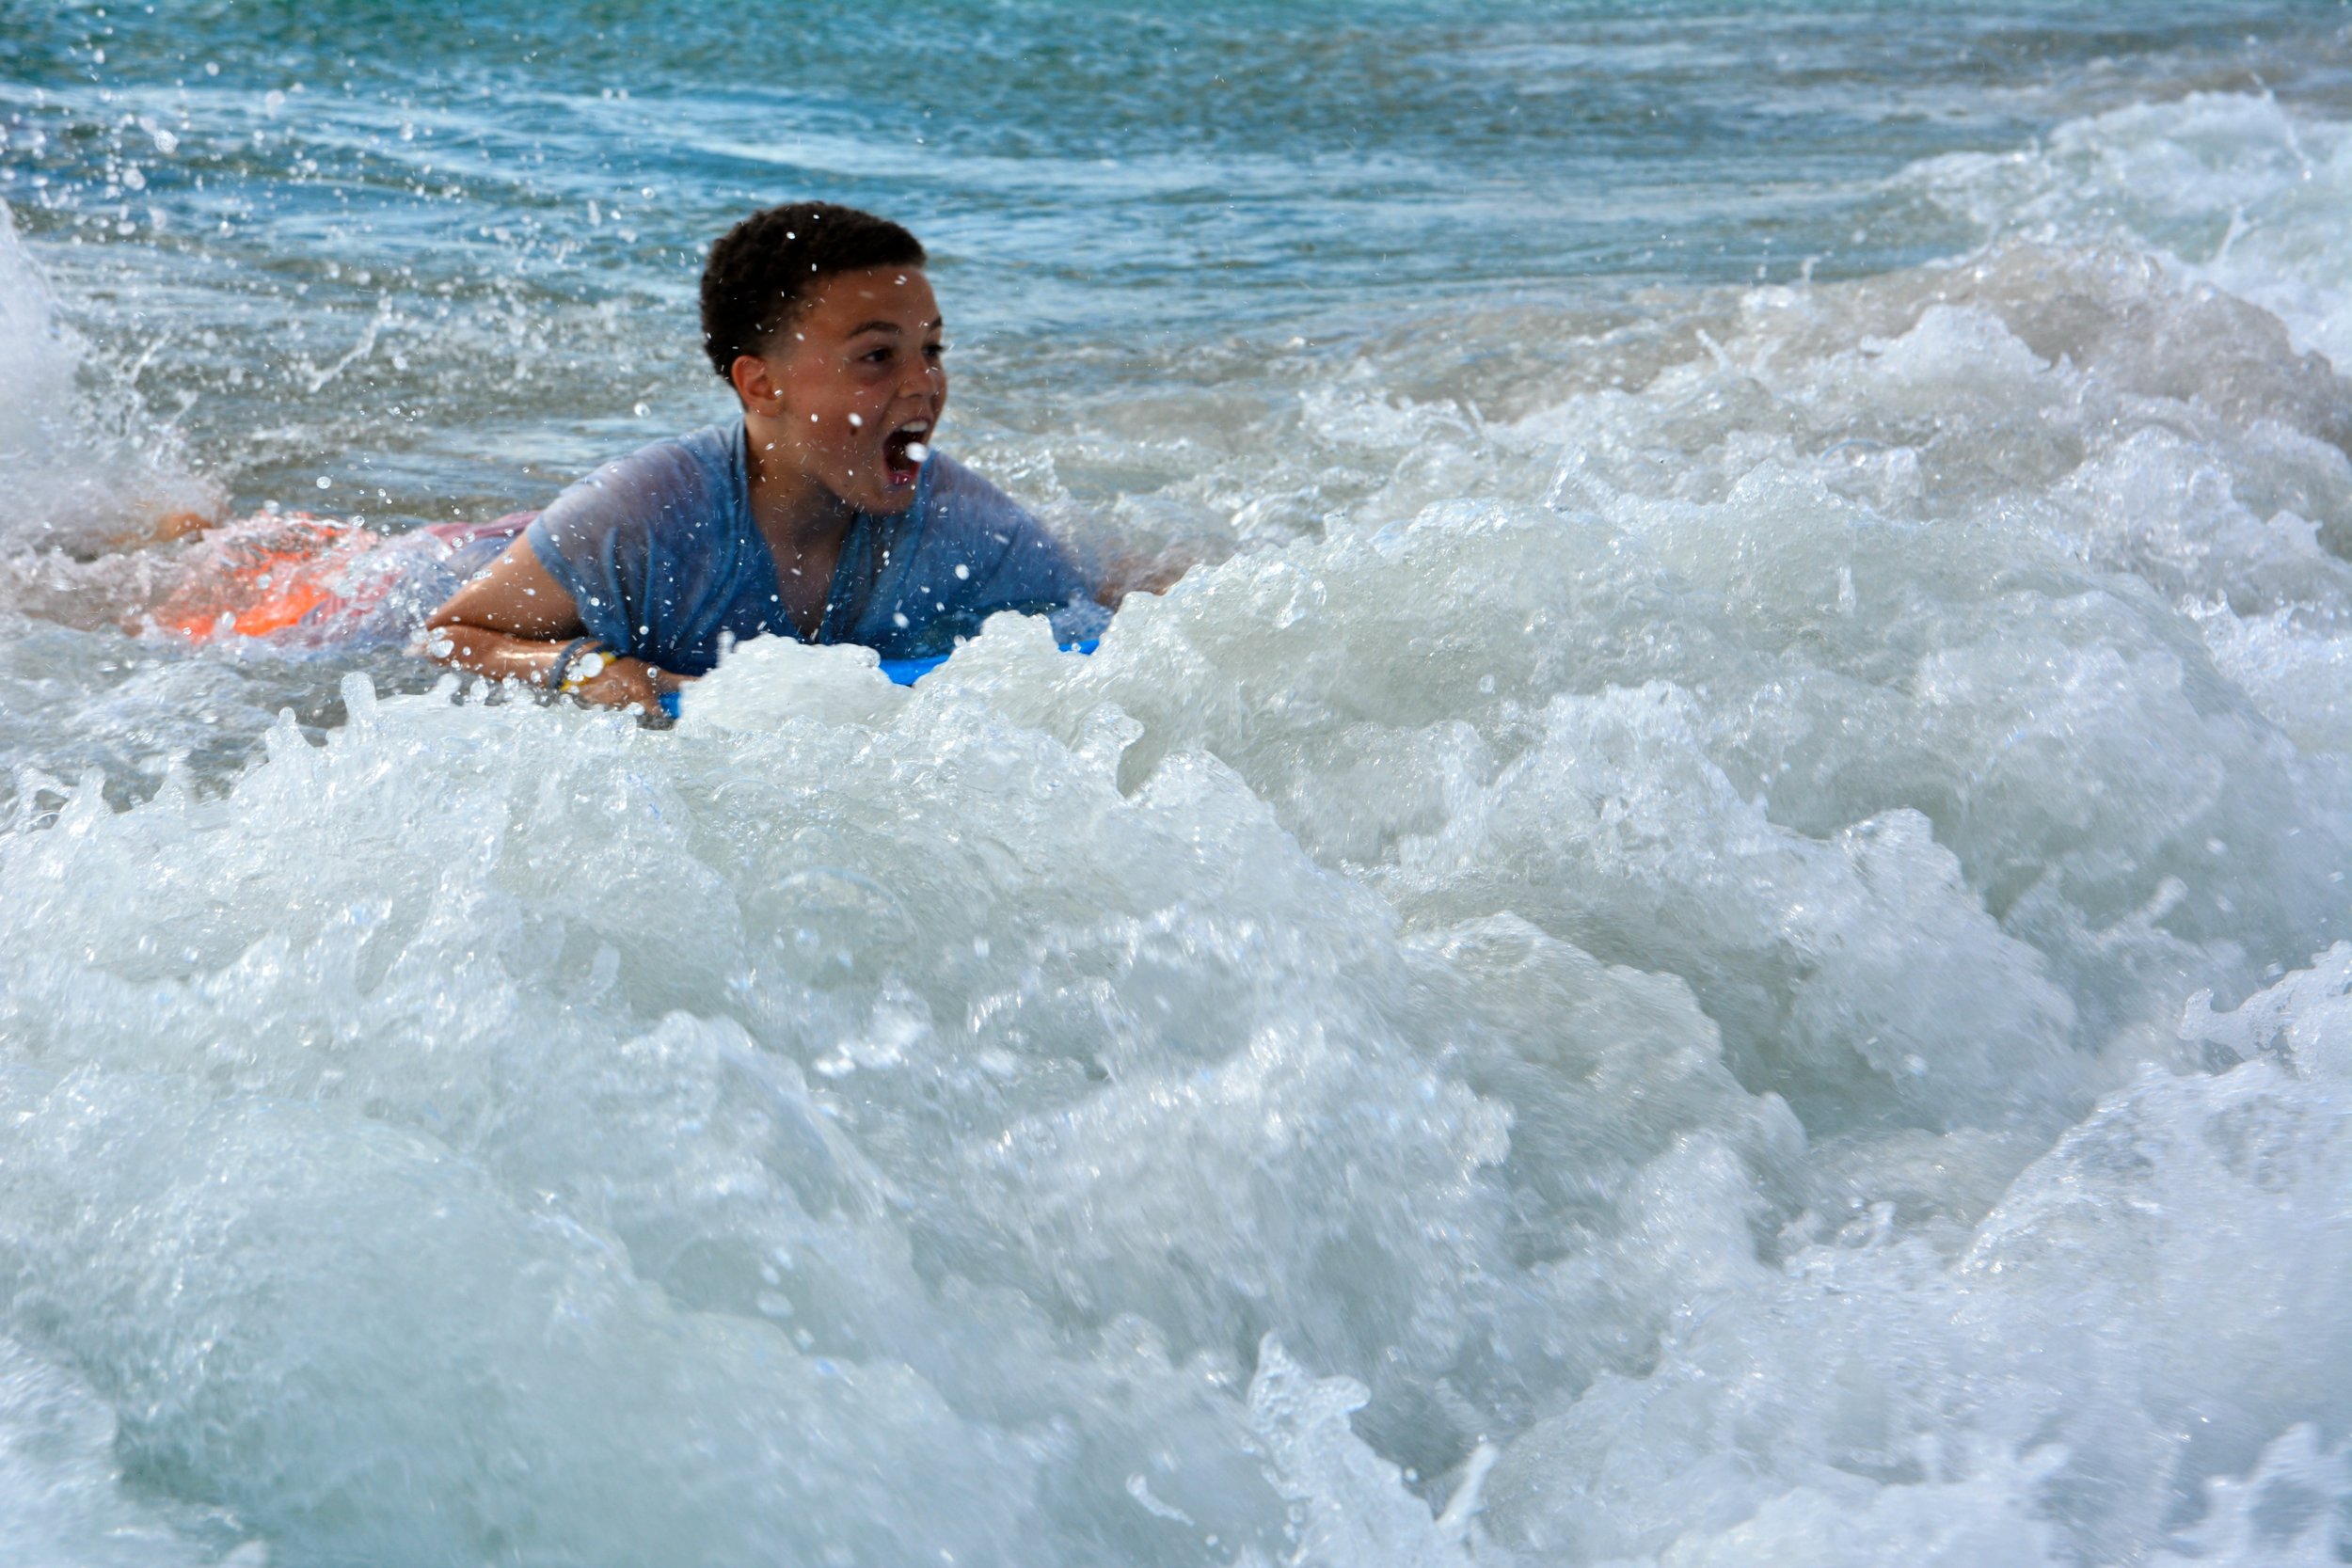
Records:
x=875, y=356
x=934, y=352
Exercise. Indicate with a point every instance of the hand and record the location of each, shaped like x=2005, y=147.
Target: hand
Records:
x=179, y=525
x=1121, y=573
x=626, y=682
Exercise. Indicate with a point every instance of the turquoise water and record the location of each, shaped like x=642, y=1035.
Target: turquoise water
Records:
x=1708, y=931
x=510, y=211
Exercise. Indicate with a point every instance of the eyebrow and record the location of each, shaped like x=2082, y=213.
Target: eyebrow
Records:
x=892, y=328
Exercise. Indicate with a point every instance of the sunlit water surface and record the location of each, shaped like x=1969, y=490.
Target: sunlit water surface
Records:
x=1708, y=933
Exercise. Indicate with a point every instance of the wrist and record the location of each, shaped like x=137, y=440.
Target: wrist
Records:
x=576, y=664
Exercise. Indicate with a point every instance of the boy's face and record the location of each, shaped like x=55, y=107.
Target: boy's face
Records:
x=854, y=381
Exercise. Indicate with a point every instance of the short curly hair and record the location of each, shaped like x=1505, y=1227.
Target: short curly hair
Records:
x=761, y=271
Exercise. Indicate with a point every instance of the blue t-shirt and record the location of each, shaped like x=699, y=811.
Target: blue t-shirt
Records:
x=660, y=552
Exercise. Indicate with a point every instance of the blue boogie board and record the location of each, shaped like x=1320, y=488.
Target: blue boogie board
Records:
x=906, y=672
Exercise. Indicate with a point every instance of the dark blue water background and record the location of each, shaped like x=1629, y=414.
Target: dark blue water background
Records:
x=442, y=254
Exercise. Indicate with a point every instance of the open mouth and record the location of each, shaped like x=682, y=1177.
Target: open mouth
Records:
x=903, y=452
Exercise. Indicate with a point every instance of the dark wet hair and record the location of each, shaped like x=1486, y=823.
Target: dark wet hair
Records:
x=760, y=271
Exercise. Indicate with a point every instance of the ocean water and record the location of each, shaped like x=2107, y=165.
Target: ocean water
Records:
x=1711, y=930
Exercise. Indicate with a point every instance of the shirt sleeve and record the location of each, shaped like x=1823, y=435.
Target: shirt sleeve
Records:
x=602, y=540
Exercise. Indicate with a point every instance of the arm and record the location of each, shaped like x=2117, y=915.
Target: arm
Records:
x=513, y=620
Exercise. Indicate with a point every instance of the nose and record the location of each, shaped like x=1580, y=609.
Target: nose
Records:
x=925, y=378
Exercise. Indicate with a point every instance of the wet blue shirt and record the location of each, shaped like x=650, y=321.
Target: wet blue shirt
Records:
x=660, y=552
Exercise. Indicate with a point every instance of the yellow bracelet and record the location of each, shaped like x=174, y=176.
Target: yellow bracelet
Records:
x=558, y=676
x=587, y=667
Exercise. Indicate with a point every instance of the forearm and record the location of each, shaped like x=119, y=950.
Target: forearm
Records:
x=595, y=678
x=495, y=653
x=513, y=623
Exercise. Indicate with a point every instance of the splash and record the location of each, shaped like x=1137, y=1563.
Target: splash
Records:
x=79, y=472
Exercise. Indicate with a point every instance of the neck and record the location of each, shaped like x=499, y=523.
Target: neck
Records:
x=795, y=512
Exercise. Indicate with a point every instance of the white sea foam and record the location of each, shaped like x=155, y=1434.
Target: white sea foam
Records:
x=1704, y=957
x=2233, y=187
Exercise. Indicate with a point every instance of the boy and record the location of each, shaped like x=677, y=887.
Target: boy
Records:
x=822, y=515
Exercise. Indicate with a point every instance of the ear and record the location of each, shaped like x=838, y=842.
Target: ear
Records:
x=755, y=385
